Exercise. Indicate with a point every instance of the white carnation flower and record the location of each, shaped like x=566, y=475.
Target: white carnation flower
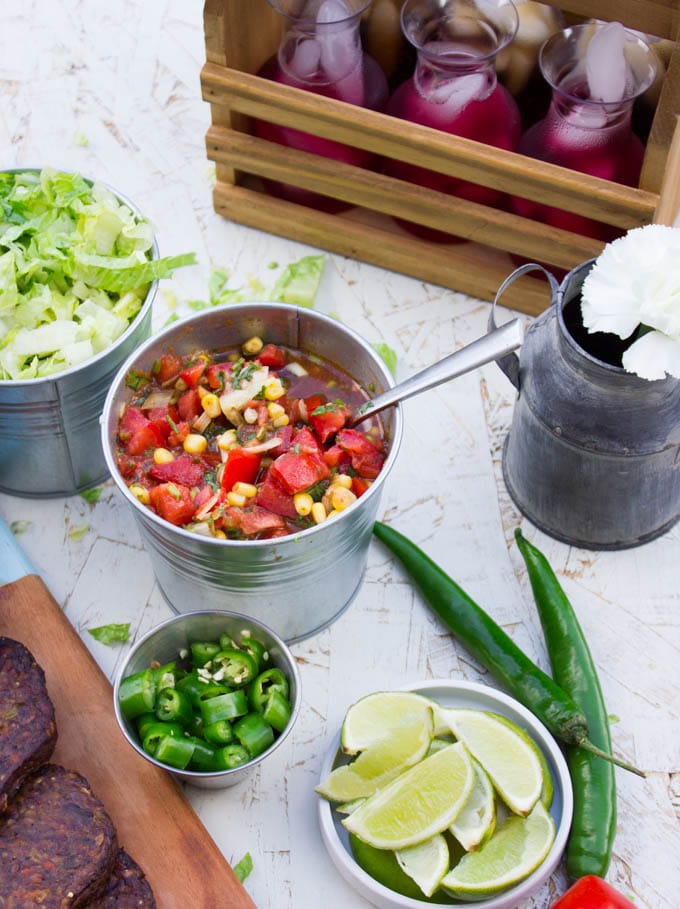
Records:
x=636, y=282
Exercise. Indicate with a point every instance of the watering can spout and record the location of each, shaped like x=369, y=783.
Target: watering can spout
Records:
x=509, y=364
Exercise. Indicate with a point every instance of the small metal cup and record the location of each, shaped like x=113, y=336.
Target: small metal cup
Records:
x=164, y=642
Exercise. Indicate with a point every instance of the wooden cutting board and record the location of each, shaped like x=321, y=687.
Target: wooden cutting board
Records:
x=155, y=823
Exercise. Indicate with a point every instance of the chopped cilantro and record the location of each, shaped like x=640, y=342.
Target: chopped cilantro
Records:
x=330, y=407
x=111, y=634
x=135, y=380
x=174, y=492
x=172, y=423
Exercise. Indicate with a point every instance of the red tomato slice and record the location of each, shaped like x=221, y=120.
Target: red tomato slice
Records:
x=298, y=472
x=336, y=457
x=259, y=520
x=183, y=470
x=272, y=356
x=147, y=436
x=191, y=374
x=359, y=486
x=241, y=466
x=367, y=460
x=304, y=440
x=274, y=498
x=189, y=405
x=132, y=419
x=328, y=423
x=169, y=366
x=173, y=502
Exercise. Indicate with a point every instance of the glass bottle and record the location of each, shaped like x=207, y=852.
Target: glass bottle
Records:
x=454, y=87
x=321, y=52
x=596, y=71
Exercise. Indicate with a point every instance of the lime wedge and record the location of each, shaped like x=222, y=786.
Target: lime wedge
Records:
x=383, y=867
x=517, y=848
x=426, y=863
x=421, y=801
x=477, y=820
x=510, y=756
x=371, y=718
x=404, y=746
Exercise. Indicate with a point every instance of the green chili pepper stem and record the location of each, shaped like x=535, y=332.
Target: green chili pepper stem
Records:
x=494, y=649
x=593, y=829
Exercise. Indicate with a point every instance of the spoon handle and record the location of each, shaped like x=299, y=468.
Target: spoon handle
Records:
x=491, y=346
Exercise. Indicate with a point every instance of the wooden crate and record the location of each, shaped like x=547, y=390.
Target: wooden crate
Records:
x=239, y=38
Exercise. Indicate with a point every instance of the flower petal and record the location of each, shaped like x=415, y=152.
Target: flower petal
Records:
x=653, y=356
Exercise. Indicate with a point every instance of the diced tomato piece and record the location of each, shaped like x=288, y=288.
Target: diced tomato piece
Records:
x=285, y=434
x=169, y=366
x=189, y=405
x=216, y=373
x=184, y=470
x=272, y=356
x=177, y=436
x=192, y=373
x=274, y=498
x=359, y=486
x=173, y=502
x=126, y=465
x=305, y=440
x=241, y=466
x=259, y=520
x=132, y=419
x=202, y=496
x=147, y=436
x=298, y=472
x=159, y=417
x=328, y=422
x=367, y=459
x=336, y=456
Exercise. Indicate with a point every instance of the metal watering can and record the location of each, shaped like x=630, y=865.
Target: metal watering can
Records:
x=593, y=452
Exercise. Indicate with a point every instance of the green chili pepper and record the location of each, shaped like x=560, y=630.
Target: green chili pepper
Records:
x=175, y=752
x=254, y=733
x=173, y=706
x=203, y=755
x=219, y=733
x=494, y=649
x=230, y=756
x=270, y=680
x=192, y=686
x=591, y=838
x=144, y=721
x=224, y=707
x=257, y=651
x=227, y=642
x=137, y=693
x=277, y=710
x=166, y=676
x=157, y=731
x=202, y=652
x=234, y=667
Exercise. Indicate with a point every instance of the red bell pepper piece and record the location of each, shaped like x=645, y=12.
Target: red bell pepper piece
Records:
x=367, y=460
x=592, y=892
x=169, y=366
x=241, y=466
x=192, y=373
x=173, y=502
x=183, y=470
x=272, y=356
x=189, y=405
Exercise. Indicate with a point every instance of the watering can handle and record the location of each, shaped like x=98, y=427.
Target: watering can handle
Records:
x=510, y=362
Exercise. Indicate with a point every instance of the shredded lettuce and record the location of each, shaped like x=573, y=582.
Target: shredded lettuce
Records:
x=111, y=634
x=75, y=268
x=299, y=282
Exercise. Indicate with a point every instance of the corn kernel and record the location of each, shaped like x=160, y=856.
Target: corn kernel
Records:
x=341, y=498
x=227, y=440
x=211, y=405
x=275, y=410
x=233, y=498
x=141, y=493
x=220, y=534
x=303, y=503
x=342, y=479
x=274, y=390
x=194, y=443
x=283, y=420
x=250, y=415
x=253, y=345
x=202, y=391
x=318, y=513
x=245, y=489
x=163, y=456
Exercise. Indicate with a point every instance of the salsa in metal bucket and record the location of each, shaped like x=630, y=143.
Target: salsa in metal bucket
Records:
x=228, y=435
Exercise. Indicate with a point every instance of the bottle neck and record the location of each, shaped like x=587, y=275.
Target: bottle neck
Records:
x=436, y=74
x=573, y=103
x=320, y=53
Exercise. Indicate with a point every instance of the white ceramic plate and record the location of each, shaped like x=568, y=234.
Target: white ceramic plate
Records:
x=478, y=697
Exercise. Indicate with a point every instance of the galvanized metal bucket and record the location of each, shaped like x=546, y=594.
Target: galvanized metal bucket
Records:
x=297, y=584
x=50, y=440
x=593, y=453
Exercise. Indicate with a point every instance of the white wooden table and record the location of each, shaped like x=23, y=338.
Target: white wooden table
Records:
x=113, y=90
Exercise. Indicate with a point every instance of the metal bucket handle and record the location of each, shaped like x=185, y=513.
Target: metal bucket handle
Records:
x=510, y=362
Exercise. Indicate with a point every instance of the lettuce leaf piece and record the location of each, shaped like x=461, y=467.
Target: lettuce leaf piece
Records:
x=111, y=634
x=71, y=252
x=299, y=282
x=388, y=354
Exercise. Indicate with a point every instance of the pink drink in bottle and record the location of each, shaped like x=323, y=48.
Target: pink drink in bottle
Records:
x=321, y=52
x=595, y=71
x=454, y=88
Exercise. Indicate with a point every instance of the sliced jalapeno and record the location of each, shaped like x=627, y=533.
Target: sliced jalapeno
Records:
x=224, y=707
x=137, y=694
x=233, y=667
x=277, y=710
x=270, y=680
x=173, y=706
x=158, y=731
x=254, y=733
x=175, y=752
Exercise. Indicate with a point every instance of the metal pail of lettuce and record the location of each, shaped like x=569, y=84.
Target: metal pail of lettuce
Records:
x=79, y=269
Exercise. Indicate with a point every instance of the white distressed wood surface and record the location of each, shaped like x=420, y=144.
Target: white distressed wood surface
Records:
x=124, y=77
